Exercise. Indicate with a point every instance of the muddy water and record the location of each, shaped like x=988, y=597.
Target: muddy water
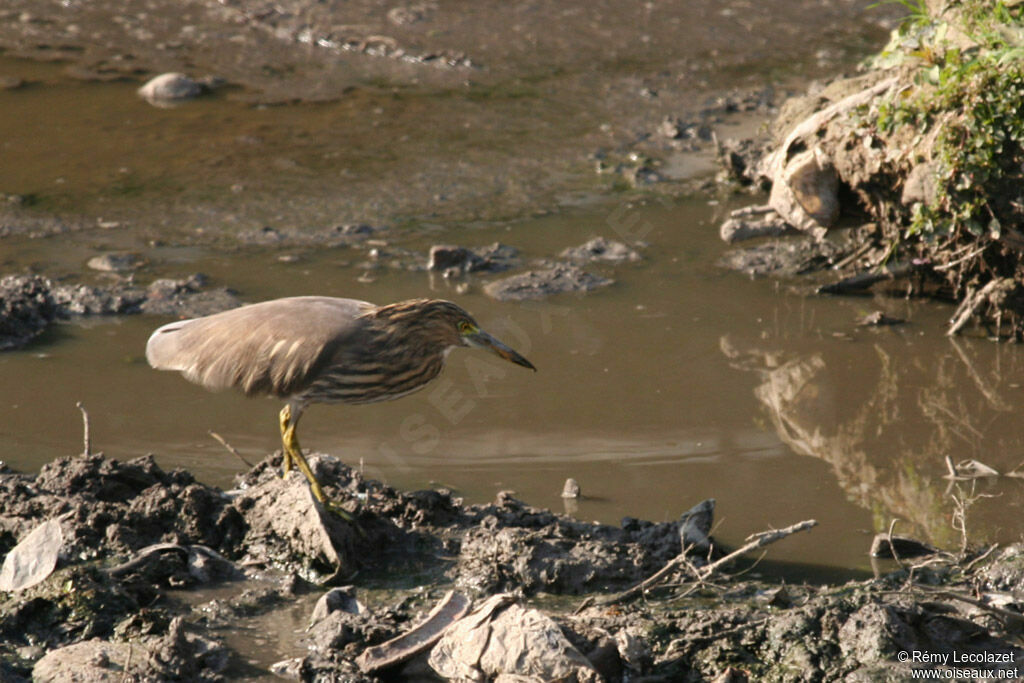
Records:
x=681, y=382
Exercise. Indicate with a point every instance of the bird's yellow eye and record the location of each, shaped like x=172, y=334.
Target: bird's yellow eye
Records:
x=466, y=327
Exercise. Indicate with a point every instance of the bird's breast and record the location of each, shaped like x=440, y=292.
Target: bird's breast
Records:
x=369, y=382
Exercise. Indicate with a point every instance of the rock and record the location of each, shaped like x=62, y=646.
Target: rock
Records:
x=93, y=661
x=170, y=88
x=187, y=298
x=288, y=669
x=806, y=192
x=341, y=598
x=508, y=642
x=85, y=300
x=115, y=262
x=899, y=546
x=538, y=284
x=33, y=559
x=879, y=319
x=601, y=250
x=670, y=128
x=455, y=261
x=742, y=228
x=288, y=526
x=26, y=309
x=695, y=526
x=571, y=489
x=451, y=259
x=921, y=184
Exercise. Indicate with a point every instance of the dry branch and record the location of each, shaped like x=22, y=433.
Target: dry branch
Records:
x=755, y=541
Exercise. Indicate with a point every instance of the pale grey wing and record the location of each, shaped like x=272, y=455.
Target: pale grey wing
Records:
x=275, y=347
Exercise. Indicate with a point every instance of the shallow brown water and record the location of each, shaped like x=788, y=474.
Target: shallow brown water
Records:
x=679, y=383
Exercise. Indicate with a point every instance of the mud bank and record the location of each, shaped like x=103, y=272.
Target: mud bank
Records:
x=414, y=112
x=922, y=151
x=124, y=535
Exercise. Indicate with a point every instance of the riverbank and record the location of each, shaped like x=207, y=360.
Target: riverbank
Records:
x=125, y=543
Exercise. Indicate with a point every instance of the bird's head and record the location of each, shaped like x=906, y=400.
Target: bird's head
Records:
x=447, y=324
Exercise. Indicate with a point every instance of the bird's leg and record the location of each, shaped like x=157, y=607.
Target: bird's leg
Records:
x=286, y=418
x=293, y=454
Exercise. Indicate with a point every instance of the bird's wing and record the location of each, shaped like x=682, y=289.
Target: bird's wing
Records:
x=274, y=347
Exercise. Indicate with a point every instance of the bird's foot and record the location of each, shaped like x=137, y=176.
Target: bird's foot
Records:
x=337, y=510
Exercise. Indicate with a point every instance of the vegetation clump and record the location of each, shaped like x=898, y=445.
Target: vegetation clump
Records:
x=929, y=144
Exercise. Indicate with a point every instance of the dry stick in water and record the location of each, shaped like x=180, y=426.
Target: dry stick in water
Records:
x=756, y=541
x=85, y=429
x=231, y=449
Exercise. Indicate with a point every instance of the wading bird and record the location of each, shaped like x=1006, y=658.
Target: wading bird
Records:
x=316, y=349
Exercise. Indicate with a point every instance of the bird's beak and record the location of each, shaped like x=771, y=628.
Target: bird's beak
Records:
x=482, y=340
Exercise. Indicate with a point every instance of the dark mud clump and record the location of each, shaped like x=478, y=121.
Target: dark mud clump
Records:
x=26, y=309
x=545, y=282
x=29, y=303
x=454, y=261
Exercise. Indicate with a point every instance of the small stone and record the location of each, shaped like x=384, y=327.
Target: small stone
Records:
x=879, y=319
x=115, y=262
x=445, y=258
x=571, y=489
x=169, y=88
x=670, y=128
x=695, y=526
x=601, y=249
x=342, y=598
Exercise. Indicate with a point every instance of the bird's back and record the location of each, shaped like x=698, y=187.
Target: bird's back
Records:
x=274, y=348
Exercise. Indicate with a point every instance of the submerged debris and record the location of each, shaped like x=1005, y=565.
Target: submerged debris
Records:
x=601, y=250
x=539, y=284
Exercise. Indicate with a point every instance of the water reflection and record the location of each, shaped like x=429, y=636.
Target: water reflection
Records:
x=885, y=421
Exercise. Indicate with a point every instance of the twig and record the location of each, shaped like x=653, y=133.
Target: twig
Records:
x=951, y=264
x=754, y=542
x=126, y=675
x=990, y=394
x=85, y=429
x=850, y=258
x=1013, y=617
x=863, y=280
x=231, y=449
x=973, y=301
x=979, y=558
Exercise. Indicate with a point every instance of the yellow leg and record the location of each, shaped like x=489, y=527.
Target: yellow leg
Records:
x=286, y=418
x=293, y=454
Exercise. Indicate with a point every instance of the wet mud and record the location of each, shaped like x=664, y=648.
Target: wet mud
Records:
x=135, y=537
x=30, y=303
